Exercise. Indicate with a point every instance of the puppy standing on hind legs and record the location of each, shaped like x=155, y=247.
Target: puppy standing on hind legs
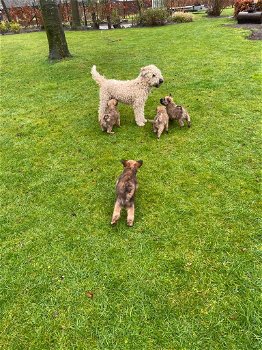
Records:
x=111, y=118
x=175, y=112
x=126, y=187
x=160, y=123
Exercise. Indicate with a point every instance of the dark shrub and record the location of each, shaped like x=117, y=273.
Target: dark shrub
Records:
x=246, y=5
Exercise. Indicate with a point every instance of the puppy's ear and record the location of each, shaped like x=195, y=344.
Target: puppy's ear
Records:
x=116, y=103
x=124, y=162
x=140, y=162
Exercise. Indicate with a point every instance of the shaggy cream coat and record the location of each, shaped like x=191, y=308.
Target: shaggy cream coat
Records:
x=133, y=92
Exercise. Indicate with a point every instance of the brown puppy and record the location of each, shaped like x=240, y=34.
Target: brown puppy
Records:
x=111, y=117
x=175, y=112
x=125, y=189
x=160, y=123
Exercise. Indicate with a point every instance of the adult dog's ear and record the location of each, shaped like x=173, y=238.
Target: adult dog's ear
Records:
x=143, y=72
x=124, y=162
x=140, y=162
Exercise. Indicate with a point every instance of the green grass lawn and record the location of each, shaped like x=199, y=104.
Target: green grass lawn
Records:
x=186, y=275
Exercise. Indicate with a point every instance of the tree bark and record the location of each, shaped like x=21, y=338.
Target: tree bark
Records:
x=95, y=21
x=76, y=23
x=6, y=11
x=58, y=48
x=109, y=24
x=140, y=5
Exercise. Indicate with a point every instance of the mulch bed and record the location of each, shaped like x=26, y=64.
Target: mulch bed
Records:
x=255, y=28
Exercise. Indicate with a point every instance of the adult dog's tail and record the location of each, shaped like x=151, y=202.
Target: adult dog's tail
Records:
x=96, y=76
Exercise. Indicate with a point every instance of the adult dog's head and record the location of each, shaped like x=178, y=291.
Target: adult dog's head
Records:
x=151, y=75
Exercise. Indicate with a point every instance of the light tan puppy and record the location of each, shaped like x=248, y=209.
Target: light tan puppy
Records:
x=111, y=117
x=160, y=123
x=175, y=112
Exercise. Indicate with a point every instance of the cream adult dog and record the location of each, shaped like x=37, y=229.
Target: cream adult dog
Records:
x=133, y=92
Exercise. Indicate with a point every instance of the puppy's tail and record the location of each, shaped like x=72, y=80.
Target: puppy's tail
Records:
x=96, y=76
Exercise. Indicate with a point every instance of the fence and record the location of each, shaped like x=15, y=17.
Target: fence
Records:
x=31, y=15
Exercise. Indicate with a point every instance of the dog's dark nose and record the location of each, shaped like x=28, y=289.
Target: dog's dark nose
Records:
x=161, y=81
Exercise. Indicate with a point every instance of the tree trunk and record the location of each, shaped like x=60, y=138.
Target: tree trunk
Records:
x=95, y=21
x=140, y=5
x=109, y=24
x=84, y=8
x=54, y=30
x=6, y=11
x=76, y=24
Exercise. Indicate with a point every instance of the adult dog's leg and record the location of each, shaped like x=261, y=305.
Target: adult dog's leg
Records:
x=139, y=114
x=104, y=98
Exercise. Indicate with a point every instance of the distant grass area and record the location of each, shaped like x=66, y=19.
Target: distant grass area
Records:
x=228, y=11
x=186, y=275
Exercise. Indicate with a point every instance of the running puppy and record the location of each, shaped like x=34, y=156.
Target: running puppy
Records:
x=111, y=117
x=125, y=189
x=160, y=123
x=175, y=112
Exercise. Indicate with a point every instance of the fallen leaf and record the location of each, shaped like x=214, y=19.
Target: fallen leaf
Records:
x=89, y=294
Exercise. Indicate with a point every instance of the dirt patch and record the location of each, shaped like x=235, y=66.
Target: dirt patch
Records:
x=256, y=35
x=255, y=28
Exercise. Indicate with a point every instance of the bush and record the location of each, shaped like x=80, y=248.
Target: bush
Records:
x=15, y=27
x=245, y=5
x=215, y=7
x=182, y=17
x=4, y=27
x=153, y=17
x=9, y=27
